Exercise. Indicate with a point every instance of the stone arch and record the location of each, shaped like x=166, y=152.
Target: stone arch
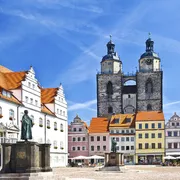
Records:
x=109, y=88
x=149, y=86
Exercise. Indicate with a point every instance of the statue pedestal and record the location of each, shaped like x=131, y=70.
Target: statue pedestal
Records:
x=26, y=157
x=114, y=159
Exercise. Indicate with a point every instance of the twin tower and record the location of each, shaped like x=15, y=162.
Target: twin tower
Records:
x=114, y=95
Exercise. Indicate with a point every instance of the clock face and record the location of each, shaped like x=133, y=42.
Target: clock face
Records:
x=148, y=61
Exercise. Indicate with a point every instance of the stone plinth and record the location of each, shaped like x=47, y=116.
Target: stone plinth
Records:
x=114, y=159
x=26, y=157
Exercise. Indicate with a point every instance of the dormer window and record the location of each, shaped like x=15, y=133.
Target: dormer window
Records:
x=116, y=121
x=4, y=93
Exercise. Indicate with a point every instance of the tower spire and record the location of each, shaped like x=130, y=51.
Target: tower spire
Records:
x=149, y=44
x=110, y=46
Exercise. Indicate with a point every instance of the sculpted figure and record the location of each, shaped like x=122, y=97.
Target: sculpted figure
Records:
x=113, y=145
x=27, y=124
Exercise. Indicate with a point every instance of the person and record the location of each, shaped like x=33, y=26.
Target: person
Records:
x=27, y=124
x=113, y=145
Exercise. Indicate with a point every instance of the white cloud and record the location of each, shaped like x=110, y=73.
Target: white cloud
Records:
x=86, y=105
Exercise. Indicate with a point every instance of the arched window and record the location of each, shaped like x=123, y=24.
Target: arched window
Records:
x=149, y=86
x=61, y=145
x=149, y=107
x=109, y=88
x=48, y=124
x=110, y=109
x=55, y=125
x=40, y=122
x=55, y=144
x=11, y=114
x=61, y=128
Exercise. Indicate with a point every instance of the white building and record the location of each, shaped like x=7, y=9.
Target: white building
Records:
x=20, y=91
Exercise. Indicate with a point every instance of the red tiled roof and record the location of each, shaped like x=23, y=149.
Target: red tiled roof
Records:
x=98, y=125
x=150, y=116
x=48, y=94
x=4, y=69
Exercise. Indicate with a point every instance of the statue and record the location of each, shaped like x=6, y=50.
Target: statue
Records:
x=113, y=145
x=27, y=123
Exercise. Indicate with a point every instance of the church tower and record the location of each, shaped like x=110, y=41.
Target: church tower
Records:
x=109, y=83
x=149, y=80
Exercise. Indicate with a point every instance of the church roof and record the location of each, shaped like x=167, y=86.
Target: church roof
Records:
x=98, y=125
x=150, y=116
x=123, y=120
x=149, y=54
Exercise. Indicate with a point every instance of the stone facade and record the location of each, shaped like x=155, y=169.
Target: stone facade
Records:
x=114, y=96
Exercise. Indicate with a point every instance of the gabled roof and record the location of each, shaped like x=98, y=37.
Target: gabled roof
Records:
x=4, y=69
x=12, y=98
x=48, y=94
x=150, y=116
x=123, y=120
x=98, y=125
x=46, y=110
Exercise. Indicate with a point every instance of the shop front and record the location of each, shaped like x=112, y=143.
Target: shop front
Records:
x=129, y=159
x=150, y=159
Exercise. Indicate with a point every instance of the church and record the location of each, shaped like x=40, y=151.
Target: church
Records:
x=114, y=95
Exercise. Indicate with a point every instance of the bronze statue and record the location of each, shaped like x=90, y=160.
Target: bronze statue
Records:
x=113, y=145
x=27, y=124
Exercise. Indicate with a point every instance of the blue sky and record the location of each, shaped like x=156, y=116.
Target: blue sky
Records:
x=64, y=40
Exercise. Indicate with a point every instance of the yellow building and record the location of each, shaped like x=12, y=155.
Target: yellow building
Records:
x=150, y=141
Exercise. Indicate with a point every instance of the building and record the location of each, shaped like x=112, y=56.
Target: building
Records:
x=99, y=137
x=122, y=128
x=78, y=144
x=172, y=133
x=47, y=107
x=114, y=95
x=150, y=142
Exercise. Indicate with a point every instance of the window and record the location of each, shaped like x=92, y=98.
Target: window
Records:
x=127, y=131
x=140, y=146
x=122, y=139
x=153, y=146
x=79, y=139
x=149, y=86
x=159, y=135
x=78, y=148
x=11, y=114
x=132, y=147
x=98, y=148
x=175, y=145
x=115, y=121
x=127, y=138
x=132, y=138
x=173, y=124
x=140, y=126
x=117, y=131
x=110, y=109
x=117, y=148
x=127, y=120
x=36, y=102
x=55, y=125
x=98, y=138
x=73, y=148
x=48, y=124
x=104, y=148
x=122, y=131
x=153, y=135
x=57, y=111
x=109, y=88
x=84, y=139
x=92, y=138
x=29, y=84
x=63, y=113
x=146, y=126
x=159, y=125
x=146, y=135
x=132, y=131
x=169, y=145
x=175, y=133
x=74, y=139
x=60, y=112
x=129, y=96
x=92, y=148
x=74, y=129
x=33, y=86
x=140, y=136
x=83, y=148
x=61, y=145
x=149, y=107
x=169, y=133
x=40, y=122
x=146, y=145
x=122, y=148
x=153, y=126
x=55, y=144
x=80, y=129
x=177, y=124
x=159, y=146
x=4, y=93
x=31, y=100
x=112, y=131
x=8, y=94
x=127, y=147
x=0, y=110
x=104, y=138
x=61, y=127
x=117, y=139
x=26, y=98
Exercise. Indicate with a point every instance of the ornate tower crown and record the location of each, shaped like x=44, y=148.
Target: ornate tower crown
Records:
x=110, y=46
x=149, y=44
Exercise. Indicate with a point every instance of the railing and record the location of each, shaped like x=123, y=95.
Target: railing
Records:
x=8, y=140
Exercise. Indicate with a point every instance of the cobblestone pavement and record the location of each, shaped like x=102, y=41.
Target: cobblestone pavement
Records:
x=128, y=173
